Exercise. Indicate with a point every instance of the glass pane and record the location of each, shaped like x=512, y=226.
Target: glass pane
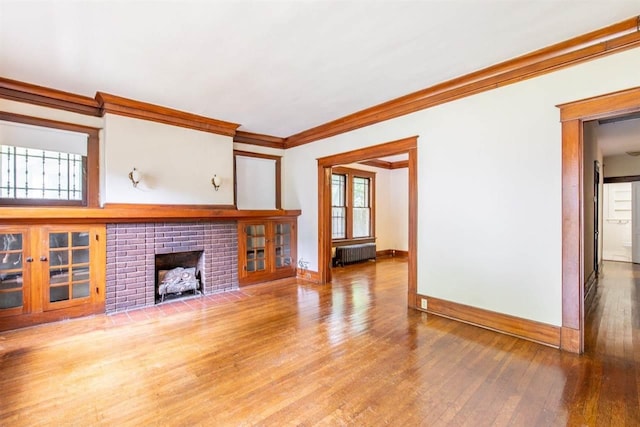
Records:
x=260, y=265
x=278, y=262
x=10, y=281
x=59, y=257
x=360, y=222
x=260, y=254
x=10, y=299
x=80, y=290
x=338, y=223
x=80, y=256
x=80, y=238
x=10, y=261
x=11, y=242
x=59, y=275
x=286, y=229
x=251, y=254
x=338, y=190
x=80, y=274
x=58, y=293
x=259, y=242
x=58, y=240
x=287, y=261
x=360, y=192
x=251, y=266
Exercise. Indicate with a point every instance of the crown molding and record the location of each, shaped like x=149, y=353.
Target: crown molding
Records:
x=605, y=41
x=259, y=139
x=47, y=97
x=141, y=110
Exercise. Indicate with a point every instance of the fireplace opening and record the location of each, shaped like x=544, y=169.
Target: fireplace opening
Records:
x=178, y=275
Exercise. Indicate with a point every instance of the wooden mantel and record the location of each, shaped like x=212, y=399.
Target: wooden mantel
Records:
x=118, y=213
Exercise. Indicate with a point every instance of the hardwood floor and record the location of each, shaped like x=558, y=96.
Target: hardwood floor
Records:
x=295, y=353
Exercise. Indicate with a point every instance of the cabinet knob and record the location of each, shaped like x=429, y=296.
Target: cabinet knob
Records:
x=43, y=258
x=29, y=259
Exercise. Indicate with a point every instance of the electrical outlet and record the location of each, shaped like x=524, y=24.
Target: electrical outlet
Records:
x=423, y=303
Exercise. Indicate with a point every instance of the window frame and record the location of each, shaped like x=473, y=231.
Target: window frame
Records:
x=351, y=173
x=90, y=197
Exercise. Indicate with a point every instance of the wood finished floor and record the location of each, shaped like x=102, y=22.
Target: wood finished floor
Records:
x=294, y=353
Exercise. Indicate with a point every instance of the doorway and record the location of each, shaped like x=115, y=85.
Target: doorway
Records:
x=406, y=145
x=573, y=115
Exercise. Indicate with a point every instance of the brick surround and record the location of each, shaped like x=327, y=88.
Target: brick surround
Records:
x=131, y=250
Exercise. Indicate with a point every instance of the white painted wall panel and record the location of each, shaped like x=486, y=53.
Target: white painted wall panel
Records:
x=176, y=163
x=256, y=183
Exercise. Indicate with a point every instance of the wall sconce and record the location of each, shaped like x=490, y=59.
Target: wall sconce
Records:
x=216, y=181
x=134, y=176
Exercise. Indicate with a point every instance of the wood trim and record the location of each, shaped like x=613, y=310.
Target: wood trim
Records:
x=398, y=146
x=571, y=340
x=258, y=139
x=392, y=253
x=619, y=179
x=278, y=172
x=47, y=97
x=142, y=110
x=405, y=145
x=401, y=164
x=607, y=105
x=308, y=275
x=133, y=213
x=523, y=328
x=605, y=41
x=93, y=154
x=598, y=107
x=377, y=163
x=590, y=286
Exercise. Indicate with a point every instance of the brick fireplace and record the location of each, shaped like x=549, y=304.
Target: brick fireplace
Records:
x=132, y=249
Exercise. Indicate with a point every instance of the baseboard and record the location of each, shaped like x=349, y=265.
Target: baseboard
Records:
x=388, y=253
x=308, y=275
x=522, y=328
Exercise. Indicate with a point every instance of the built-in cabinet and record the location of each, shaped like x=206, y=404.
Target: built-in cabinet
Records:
x=266, y=250
x=50, y=272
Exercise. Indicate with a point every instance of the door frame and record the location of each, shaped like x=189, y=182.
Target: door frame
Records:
x=572, y=116
x=406, y=145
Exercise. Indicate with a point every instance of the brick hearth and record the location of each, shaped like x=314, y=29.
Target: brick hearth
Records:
x=131, y=250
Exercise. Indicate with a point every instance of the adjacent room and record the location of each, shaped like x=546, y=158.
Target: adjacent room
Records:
x=319, y=212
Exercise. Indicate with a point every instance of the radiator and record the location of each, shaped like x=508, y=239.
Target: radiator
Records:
x=354, y=253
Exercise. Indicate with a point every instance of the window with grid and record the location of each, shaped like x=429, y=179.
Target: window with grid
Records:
x=29, y=173
x=46, y=163
x=352, y=204
x=338, y=207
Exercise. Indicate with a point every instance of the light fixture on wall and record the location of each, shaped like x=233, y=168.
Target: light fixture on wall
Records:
x=216, y=181
x=134, y=176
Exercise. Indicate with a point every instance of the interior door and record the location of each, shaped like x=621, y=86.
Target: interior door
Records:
x=596, y=217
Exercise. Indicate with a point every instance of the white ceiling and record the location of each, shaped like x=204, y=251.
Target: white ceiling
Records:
x=277, y=67
x=619, y=137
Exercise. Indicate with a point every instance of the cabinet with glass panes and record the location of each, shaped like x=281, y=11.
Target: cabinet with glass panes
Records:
x=50, y=272
x=267, y=250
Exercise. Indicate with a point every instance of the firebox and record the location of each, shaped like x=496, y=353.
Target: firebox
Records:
x=178, y=275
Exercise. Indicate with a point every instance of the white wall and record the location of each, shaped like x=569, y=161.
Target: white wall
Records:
x=489, y=183
x=176, y=163
x=621, y=165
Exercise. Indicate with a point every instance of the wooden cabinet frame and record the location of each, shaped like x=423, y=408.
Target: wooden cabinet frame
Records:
x=271, y=270
x=36, y=269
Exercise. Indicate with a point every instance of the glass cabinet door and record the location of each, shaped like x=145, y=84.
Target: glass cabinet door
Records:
x=256, y=248
x=282, y=244
x=69, y=267
x=13, y=289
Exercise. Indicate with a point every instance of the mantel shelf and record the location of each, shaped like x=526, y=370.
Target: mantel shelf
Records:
x=135, y=213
